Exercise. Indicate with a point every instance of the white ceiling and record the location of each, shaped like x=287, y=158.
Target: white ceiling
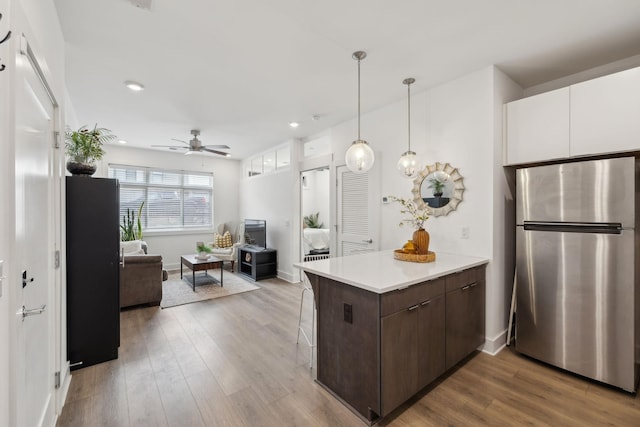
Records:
x=240, y=70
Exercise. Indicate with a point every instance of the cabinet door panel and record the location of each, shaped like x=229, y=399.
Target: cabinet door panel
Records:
x=399, y=350
x=537, y=128
x=604, y=114
x=456, y=326
x=476, y=315
x=431, y=340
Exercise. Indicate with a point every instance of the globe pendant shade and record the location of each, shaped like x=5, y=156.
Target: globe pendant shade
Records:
x=409, y=165
x=359, y=157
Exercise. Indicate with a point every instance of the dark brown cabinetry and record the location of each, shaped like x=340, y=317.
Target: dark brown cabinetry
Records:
x=375, y=351
x=417, y=329
x=258, y=263
x=465, y=317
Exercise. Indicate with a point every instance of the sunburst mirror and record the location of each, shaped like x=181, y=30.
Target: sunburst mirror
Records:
x=440, y=186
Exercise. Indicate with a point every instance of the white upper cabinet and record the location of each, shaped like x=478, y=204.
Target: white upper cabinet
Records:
x=599, y=116
x=605, y=114
x=537, y=128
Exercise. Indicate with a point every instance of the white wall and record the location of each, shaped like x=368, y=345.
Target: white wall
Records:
x=226, y=203
x=271, y=197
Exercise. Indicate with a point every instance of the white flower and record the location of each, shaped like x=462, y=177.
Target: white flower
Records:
x=418, y=216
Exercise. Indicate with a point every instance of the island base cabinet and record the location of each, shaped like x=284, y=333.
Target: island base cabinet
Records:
x=377, y=350
x=465, y=314
x=431, y=343
x=413, y=352
x=348, y=344
x=399, y=348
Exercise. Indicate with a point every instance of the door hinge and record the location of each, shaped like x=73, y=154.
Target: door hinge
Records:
x=56, y=139
x=56, y=377
x=56, y=259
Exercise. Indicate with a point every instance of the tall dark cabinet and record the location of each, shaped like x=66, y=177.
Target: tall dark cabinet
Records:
x=93, y=244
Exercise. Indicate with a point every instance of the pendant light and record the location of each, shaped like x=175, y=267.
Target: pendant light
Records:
x=409, y=164
x=359, y=157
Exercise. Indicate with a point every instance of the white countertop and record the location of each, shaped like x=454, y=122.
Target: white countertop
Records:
x=379, y=272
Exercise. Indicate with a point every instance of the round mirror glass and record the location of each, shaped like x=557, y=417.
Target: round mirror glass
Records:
x=439, y=186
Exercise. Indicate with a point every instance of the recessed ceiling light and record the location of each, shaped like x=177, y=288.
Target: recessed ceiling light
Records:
x=122, y=141
x=134, y=86
x=294, y=124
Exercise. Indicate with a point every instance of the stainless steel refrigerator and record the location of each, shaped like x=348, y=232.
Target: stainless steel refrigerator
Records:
x=577, y=279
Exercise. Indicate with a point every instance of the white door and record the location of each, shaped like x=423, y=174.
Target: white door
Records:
x=33, y=357
x=357, y=211
x=6, y=213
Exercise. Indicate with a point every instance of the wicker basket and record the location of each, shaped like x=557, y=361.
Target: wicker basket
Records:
x=401, y=255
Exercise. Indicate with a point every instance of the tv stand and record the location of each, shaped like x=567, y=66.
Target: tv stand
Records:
x=257, y=263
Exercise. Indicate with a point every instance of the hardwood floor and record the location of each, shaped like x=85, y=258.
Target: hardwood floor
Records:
x=234, y=362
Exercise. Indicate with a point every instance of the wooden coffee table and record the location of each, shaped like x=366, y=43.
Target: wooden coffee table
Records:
x=196, y=264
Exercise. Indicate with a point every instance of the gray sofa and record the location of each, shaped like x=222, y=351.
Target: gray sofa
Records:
x=141, y=278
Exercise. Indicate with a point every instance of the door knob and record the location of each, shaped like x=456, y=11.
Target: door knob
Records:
x=25, y=312
x=368, y=241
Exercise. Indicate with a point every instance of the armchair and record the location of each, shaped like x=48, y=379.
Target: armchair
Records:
x=237, y=238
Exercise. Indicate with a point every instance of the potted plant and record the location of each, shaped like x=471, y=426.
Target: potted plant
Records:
x=437, y=186
x=203, y=250
x=312, y=221
x=84, y=148
x=131, y=229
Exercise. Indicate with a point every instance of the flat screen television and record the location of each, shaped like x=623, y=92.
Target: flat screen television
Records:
x=255, y=232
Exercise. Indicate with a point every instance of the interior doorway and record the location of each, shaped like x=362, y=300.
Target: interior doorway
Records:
x=315, y=210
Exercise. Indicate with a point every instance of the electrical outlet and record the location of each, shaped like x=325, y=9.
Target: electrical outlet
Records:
x=464, y=233
x=348, y=313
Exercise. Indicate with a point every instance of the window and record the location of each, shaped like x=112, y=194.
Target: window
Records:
x=172, y=199
x=269, y=162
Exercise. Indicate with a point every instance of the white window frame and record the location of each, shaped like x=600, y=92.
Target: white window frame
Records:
x=180, y=187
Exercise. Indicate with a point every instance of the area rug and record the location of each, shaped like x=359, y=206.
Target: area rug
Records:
x=176, y=291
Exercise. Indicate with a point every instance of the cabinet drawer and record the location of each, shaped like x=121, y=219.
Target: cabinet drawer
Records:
x=464, y=278
x=401, y=299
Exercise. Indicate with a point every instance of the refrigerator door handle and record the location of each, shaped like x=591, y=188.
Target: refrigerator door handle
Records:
x=574, y=227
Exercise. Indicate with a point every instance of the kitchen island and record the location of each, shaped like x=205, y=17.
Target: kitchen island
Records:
x=388, y=328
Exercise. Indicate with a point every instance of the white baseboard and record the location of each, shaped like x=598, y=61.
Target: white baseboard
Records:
x=288, y=277
x=493, y=346
x=171, y=266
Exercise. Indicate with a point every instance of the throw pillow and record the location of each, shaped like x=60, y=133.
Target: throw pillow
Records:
x=223, y=241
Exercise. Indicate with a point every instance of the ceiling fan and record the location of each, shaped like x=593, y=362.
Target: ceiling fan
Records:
x=195, y=146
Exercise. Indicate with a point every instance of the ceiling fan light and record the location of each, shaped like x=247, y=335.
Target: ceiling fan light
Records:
x=359, y=157
x=409, y=164
x=189, y=152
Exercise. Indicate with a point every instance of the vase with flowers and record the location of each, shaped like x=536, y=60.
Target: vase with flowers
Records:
x=417, y=219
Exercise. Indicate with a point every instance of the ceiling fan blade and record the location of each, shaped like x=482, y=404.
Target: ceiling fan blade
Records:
x=221, y=153
x=170, y=146
x=179, y=140
x=225, y=147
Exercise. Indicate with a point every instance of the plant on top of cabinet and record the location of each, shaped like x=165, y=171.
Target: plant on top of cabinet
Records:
x=84, y=148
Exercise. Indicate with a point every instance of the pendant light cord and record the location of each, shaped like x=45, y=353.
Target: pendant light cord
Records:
x=409, y=114
x=358, y=99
